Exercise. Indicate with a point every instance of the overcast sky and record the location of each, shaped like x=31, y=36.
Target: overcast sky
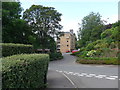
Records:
x=73, y=11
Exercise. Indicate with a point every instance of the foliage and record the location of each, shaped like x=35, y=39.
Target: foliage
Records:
x=91, y=53
x=98, y=60
x=106, y=43
x=14, y=29
x=81, y=53
x=92, y=27
x=24, y=71
x=44, y=22
x=51, y=44
x=9, y=49
x=55, y=56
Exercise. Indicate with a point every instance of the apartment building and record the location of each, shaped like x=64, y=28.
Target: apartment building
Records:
x=66, y=42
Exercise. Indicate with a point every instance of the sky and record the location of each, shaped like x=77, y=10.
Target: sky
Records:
x=73, y=11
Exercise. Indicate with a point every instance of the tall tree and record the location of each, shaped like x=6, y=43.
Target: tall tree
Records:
x=14, y=29
x=92, y=27
x=44, y=22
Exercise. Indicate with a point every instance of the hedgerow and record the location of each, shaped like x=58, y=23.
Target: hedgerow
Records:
x=9, y=49
x=98, y=60
x=24, y=71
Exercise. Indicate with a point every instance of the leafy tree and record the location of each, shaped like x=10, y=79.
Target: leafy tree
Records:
x=44, y=22
x=92, y=27
x=14, y=29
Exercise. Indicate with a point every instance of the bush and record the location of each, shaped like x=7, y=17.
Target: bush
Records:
x=24, y=71
x=80, y=53
x=76, y=53
x=9, y=49
x=91, y=53
x=98, y=60
x=55, y=56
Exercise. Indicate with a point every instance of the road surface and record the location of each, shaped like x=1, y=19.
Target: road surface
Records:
x=66, y=73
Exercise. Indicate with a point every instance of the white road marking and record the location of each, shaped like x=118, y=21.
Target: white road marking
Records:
x=70, y=72
x=99, y=76
x=114, y=76
x=69, y=80
x=66, y=72
x=110, y=78
x=60, y=71
x=102, y=75
x=90, y=75
x=76, y=74
x=84, y=73
x=80, y=75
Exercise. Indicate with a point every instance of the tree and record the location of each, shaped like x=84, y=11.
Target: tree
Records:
x=44, y=22
x=92, y=27
x=14, y=29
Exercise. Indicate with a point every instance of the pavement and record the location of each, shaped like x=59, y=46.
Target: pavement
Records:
x=66, y=73
x=58, y=80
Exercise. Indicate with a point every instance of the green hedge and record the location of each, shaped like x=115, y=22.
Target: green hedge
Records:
x=55, y=56
x=98, y=60
x=24, y=71
x=9, y=49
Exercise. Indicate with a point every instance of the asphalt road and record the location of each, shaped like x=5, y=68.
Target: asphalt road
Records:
x=66, y=73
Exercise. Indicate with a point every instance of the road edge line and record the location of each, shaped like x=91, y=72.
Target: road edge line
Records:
x=69, y=80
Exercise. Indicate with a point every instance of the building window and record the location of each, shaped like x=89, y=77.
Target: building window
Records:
x=67, y=45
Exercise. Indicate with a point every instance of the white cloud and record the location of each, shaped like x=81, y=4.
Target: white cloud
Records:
x=70, y=24
x=111, y=18
x=73, y=23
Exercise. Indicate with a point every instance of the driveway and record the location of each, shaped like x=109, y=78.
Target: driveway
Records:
x=81, y=76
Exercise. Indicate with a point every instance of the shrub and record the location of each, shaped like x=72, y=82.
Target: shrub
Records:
x=24, y=71
x=55, y=56
x=98, y=60
x=9, y=49
x=90, y=46
x=91, y=53
x=76, y=53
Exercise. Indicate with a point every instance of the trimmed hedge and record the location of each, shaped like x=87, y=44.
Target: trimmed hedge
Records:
x=9, y=49
x=55, y=56
x=24, y=71
x=98, y=60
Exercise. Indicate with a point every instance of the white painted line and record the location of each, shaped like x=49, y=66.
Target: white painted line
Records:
x=70, y=72
x=102, y=75
x=69, y=80
x=92, y=74
x=80, y=75
x=76, y=74
x=84, y=73
x=114, y=76
x=110, y=78
x=89, y=76
x=98, y=76
x=66, y=72
x=59, y=71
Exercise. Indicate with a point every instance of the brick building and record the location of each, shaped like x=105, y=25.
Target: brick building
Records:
x=66, y=42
